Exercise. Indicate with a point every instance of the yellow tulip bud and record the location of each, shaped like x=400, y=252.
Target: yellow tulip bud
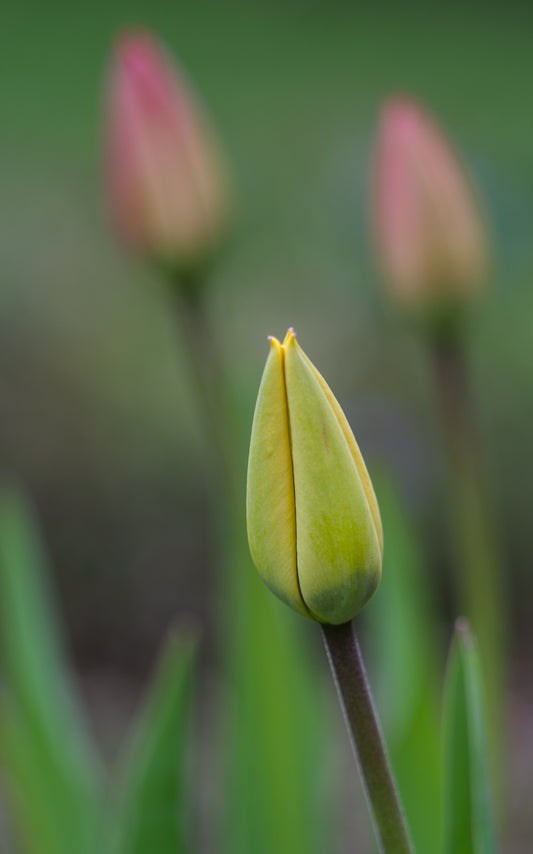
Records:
x=314, y=527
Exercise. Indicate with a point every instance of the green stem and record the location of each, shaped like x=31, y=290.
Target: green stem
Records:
x=207, y=368
x=480, y=593
x=361, y=718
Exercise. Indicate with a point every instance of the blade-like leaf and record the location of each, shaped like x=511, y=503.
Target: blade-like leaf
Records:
x=50, y=769
x=468, y=825
x=275, y=743
x=405, y=663
x=152, y=796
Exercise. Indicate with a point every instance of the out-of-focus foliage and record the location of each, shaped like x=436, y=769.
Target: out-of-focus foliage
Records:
x=48, y=762
x=468, y=825
x=276, y=731
x=155, y=780
x=50, y=768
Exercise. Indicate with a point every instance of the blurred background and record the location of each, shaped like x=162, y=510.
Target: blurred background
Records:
x=95, y=414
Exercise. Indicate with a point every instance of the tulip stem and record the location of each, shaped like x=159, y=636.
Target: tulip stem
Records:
x=364, y=729
x=206, y=367
x=478, y=564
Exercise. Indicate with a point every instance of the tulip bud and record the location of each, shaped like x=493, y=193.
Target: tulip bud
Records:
x=313, y=521
x=165, y=181
x=427, y=227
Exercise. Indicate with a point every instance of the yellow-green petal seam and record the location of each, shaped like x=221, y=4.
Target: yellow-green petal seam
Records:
x=271, y=516
x=338, y=546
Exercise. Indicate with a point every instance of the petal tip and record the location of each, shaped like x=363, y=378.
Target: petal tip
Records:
x=290, y=337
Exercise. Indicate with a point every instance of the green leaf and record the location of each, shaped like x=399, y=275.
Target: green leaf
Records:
x=405, y=663
x=276, y=728
x=152, y=791
x=468, y=825
x=51, y=771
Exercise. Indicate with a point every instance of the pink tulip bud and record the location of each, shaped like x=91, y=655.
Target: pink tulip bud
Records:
x=427, y=227
x=165, y=181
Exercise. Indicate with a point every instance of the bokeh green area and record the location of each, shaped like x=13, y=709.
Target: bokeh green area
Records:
x=97, y=411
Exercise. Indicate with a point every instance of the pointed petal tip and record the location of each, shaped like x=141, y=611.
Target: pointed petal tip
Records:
x=134, y=47
x=290, y=337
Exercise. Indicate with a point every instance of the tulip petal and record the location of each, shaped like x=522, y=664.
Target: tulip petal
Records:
x=354, y=450
x=271, y=510
x=428, y=229
x=338, y=548
x=165, y=178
